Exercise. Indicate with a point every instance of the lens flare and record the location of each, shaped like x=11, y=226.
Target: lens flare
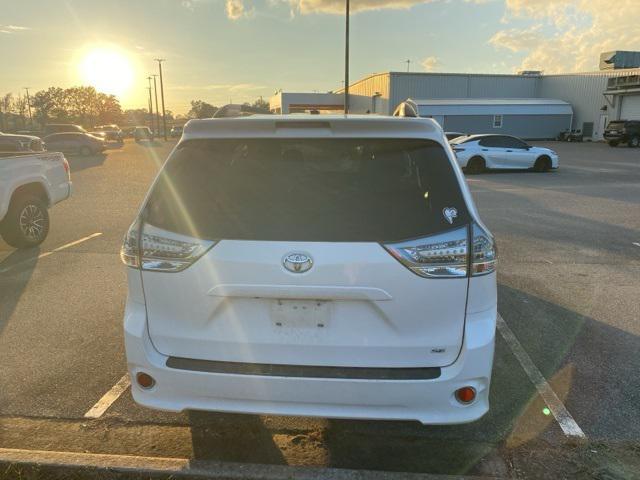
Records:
x=107, y=69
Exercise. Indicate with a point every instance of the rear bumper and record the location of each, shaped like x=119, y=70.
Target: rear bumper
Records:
x=615, y=137
x=428, y=401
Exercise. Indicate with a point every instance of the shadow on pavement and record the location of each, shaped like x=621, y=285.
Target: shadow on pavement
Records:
x=570, y=349
x=79, y=162
x=592, y=366
x=14, y=282
x=232, y=438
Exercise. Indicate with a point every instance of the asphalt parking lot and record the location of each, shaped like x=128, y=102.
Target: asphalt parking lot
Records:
x=565, y=396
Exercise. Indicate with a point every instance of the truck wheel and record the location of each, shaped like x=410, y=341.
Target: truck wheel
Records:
x=26, y=223
x=634, y=142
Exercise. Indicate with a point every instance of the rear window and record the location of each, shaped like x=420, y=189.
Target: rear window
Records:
x=334, y=190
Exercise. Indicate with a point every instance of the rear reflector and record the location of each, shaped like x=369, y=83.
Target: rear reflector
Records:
x=145, y=380
x=466, y=395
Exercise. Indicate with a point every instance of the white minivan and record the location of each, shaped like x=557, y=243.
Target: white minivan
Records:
x=330, y=266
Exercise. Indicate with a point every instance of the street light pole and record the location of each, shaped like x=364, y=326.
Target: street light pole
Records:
x=164, y=117
x=29, y=107
x=155, y=91
x=346, y=59
x=150, y=104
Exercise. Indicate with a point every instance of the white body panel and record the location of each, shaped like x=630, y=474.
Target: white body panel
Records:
x=44, y=169
x=374, y=312
x=427, y=401
x=364, y=308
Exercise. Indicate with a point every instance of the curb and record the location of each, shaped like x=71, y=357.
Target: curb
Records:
x=50, y=464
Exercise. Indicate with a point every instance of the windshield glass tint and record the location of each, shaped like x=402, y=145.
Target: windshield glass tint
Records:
x=306, y=190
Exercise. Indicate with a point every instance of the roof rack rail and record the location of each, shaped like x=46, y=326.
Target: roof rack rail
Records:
x=232, y=110
x=408, y=108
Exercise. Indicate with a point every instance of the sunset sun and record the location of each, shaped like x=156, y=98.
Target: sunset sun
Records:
x=108, y=70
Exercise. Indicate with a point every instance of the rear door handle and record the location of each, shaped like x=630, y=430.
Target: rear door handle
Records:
x=509, y=150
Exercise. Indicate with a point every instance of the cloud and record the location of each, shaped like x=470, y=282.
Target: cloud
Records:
x=235, y=9
x=306, y=7
x=430, y=64
x=9, y=29
x=230, y=87
x=517, y=39
x=568, y=35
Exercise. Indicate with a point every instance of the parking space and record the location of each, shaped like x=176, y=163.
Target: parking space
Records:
x=568, y=293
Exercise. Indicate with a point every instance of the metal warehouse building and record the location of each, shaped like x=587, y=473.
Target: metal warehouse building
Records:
x=595, y=98
x=523, y=117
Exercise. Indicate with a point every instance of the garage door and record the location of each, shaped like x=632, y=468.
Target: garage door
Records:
x=630, y=107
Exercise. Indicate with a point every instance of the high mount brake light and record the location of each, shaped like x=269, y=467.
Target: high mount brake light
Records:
x=162, y=250
x=446, y=255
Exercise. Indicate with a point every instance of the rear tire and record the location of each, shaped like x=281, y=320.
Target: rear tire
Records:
x=475, y=166
x=26, y=223
x=634, y=142
x=543, y=164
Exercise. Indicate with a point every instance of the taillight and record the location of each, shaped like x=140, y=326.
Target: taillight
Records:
x=485, y=254
x=65, y=164
x=438, y=256
x=162, y=251
x=446, y=255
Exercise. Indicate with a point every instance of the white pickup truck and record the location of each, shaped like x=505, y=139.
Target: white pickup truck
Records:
x=30, y=183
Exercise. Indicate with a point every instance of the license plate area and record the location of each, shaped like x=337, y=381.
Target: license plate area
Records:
x=309, y=314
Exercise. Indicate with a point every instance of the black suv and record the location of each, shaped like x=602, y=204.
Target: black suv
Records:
x=623, y=131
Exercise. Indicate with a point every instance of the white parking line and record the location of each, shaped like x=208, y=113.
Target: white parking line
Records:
x=108, y=398
x=555, y=405
x=46, y=254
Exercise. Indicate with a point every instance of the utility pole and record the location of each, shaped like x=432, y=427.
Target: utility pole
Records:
x=346, y=59
x=408, y=62
x=29, y=106
x=150, y=104
x=164, y=117
x=155, y=91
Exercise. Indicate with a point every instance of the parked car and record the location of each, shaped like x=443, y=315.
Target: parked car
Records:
x=575, y=135
x=20, y=143
x=451, y=135
x=475, y=153
x=176, y=131
x=142, y=133
x=62, y=128
x=127, y=132
x=623, y=131
x=75, y=143
x=30, y=183
x=112, y=133
x=279, y=278
x=101, y=135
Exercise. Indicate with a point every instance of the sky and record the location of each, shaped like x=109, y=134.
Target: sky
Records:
x=223, y=51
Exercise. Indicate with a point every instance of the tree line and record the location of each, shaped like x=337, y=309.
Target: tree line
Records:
x=87, y=107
